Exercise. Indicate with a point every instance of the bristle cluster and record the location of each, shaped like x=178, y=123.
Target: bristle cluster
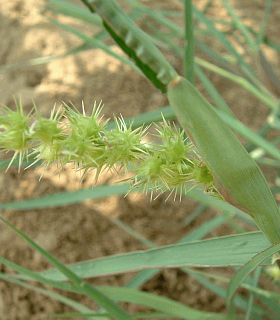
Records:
x=84, y=141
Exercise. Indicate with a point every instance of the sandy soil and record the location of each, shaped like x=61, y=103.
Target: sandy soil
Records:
x=85, y=231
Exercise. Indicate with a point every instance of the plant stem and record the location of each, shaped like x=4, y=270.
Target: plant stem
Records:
x=189, y=41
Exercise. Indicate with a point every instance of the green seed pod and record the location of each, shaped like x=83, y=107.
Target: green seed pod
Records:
x=237, y=177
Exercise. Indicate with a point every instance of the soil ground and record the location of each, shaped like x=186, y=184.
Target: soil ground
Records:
x=85, y=231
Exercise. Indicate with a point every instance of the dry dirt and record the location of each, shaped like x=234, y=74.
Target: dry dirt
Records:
x=85, y=231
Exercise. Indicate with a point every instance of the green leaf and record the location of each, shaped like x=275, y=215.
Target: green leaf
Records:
x=97, y=44
x=212, y=91
x=154, y=315
x=143, y=276
x=74, y=11
x=248, y=268
x=234, y=250
x=66, y=198
x=113, y=309
x=189, y=42
x=261, y=34
x=237, y=177
x=251, y=295
x=241, y=27
x=134, y=42
x=168, y=306
x=219, y=35
x=58, y=297
x=251, y=136
x=267, y=99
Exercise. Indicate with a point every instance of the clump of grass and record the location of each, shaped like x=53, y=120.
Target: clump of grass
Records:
x=223, y=165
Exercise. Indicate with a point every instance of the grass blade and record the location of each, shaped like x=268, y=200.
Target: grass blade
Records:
x=67, y=198
x=58, y=297
x=134, y=42
x=189, y=41
x=212, y=91
x=261, y=34
x=241, y=27
x=272, y=79
x=251, y=136
x=248, y=268
x=113, y=309
x=219, y=35
x=239, y=301
x=271, y=102
x=154, y=315
x=168, y=306
x=143, y=276
x=251, y=295
x=75, y=11
x=237, y=177
x=234, y=250
x=97, y=44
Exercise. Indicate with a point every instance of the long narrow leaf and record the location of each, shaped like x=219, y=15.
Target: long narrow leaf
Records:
x=237, y=177
x=97, y=44
x=240, y=26
x=261, y=34
x=168, y=306
x=223, y=40
x=113, y=309
x=271, y=102
x=143, y=276
x=251, y=136
x=58, y=297
x=74, y=11
x=251, y=295
x=134, y=42
x=248, y=268
x=153, y=315
x=189, y=41
x=234, y=250
x=218, y=100
x=66, y=198
x=239, y=302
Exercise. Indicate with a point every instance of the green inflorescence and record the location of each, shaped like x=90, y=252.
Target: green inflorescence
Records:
x=84, y=141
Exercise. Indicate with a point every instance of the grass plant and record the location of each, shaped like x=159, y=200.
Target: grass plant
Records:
x=211, y=155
